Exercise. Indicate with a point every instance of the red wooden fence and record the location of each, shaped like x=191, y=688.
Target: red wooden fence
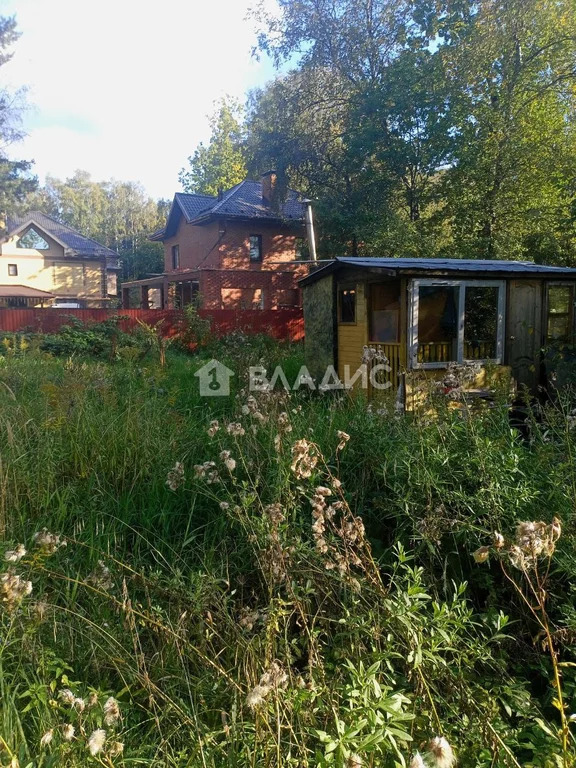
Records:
x=280, y=323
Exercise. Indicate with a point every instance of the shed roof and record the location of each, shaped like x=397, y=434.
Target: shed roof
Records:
x=441, y=267
x=68, y=237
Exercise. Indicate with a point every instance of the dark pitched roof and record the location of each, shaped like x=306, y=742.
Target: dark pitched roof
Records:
x=391, y=266
x=70, y=238
x=243, y=201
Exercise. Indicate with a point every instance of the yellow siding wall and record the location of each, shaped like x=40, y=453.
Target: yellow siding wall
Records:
x=50, y=270
x=352, y=337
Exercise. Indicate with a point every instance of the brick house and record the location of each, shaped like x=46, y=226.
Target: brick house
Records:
x=241, y=249
x=45, y=263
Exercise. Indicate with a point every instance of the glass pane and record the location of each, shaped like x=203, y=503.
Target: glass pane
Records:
x=348, y=305
x=480, y=323
x=33, y=240
x=560, y=300
x=255, y=248
x=385, y=312
x=438, y=323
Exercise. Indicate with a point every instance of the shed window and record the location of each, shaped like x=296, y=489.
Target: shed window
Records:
x=347, y=305
x=560, y=321
x=255, y=247
x=175, y=257
x=385, y=312
x=456, y=321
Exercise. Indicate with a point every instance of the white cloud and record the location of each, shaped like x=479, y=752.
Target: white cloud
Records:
x=121, y=88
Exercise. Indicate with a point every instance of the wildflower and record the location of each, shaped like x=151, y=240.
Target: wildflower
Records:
x=343, y=437
x=79, y=705
x=274, y=513
x=207, y=472
x=229, y=462
x=442, y=752
x=96, y=741
x=68, y=732
x=111, y=711
x=66, y=696
x=92, y=700
x=13, y=589
x=304, y=458
x=224, y=505
x=176, y=476
x=48, y=542
x=481, y=554
x=248, y=619
x=257, y=696
x=517, y=557
x=555, y=529
x=417, y=761
x=213, y=428
x=116, y=749
x=354, y=761
x=100, y=576
x=235, y=429
x=15, y=555
x=284, y=422
x=47, y=738
x=498, y=540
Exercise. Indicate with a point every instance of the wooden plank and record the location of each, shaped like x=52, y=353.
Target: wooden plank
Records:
x=524, y=332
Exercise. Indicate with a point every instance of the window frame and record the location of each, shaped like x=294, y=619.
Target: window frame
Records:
x=12, y=270
x=414, y=291
x=341, y=289
x=260, y=252
x=175, y=253
x=572, y=312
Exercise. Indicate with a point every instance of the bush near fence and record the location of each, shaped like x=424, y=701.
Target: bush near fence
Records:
x=282, y=324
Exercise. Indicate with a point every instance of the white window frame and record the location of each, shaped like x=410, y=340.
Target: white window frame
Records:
x=415, y=286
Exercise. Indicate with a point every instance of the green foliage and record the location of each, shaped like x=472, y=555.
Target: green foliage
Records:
x=242, y=606
x=425, y=128
x=221, y=164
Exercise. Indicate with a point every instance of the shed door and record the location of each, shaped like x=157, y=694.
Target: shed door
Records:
x=525, y=331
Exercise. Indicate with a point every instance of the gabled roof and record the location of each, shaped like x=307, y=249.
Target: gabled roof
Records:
x=440, y=267
x=67, y=237
x=243, y=201
x=23, y=292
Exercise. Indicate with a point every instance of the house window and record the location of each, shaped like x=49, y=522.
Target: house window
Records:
x=175, y=257
x=12, y=270
x=31, y=239
x=456, y=321
x=255, y=247
x=560, y=319
x=347, y=305
x=385, y=312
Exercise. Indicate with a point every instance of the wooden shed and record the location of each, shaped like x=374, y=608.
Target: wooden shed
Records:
x=424, y=314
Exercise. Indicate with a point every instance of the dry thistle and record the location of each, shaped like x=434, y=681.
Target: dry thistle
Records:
x=111, y=711
x=47, y=738
x=15, y=555
x=13, y=589
x=417, y=761
x=48, y=542
x=96, y=741
x=442, y=752
x=176, y=476
x=116, y=749
x=68, y=732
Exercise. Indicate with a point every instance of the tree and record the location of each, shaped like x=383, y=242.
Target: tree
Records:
x=221, y=164
x=455, y=116
x=15, y=179
x=115, y=213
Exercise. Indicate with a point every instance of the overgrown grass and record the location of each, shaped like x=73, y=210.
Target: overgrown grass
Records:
x=256, y=620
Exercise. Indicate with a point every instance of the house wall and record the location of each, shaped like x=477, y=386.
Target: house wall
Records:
x=51, y=270
x=229, y=279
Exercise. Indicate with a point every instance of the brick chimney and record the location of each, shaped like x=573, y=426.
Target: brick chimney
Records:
x=269, y=188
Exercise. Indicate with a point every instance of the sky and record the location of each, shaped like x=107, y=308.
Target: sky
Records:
x=123, y=88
